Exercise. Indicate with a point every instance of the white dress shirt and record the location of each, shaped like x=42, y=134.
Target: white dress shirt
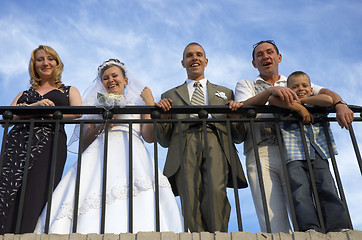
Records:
x=190, y=86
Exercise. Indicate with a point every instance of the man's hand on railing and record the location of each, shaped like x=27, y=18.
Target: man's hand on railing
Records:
x=165, y=104
x=285, y=94
x=344, y=115
x=234, y=106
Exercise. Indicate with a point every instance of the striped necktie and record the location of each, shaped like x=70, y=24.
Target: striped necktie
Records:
x=197, y=97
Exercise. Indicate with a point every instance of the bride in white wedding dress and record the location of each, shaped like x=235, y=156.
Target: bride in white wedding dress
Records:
x=110, y=90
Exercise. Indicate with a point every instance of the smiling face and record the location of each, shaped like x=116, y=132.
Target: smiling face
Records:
x=195, y=61
x=266, y=60
x=300, y=85
x=114, y=81
x=44, y=64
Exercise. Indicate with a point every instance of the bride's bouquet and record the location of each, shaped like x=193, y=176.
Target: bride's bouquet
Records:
x=109, y=100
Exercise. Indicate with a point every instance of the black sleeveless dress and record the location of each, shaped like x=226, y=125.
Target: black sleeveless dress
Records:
x=12, y=171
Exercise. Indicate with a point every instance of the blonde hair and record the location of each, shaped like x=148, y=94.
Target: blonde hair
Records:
x=56, y=74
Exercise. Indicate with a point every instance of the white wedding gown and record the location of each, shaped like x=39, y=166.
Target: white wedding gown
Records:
x=117, y=211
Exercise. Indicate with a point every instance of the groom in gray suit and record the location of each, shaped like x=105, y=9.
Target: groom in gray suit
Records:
x=202, y=180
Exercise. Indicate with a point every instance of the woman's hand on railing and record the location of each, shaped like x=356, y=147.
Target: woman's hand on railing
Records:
x=41, y=103
x=44, y=103
x=22, y=105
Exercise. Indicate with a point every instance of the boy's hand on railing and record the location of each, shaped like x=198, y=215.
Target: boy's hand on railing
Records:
x=165, y=104
x=305, y=114
x=344, y=115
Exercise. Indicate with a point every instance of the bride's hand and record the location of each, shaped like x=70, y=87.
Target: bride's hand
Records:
x=100, y=127
x=147, y=96
x=111, y=125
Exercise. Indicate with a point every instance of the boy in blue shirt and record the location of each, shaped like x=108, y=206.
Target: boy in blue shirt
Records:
x=333, y=210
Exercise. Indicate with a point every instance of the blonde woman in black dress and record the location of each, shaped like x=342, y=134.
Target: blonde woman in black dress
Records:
x=47, y=89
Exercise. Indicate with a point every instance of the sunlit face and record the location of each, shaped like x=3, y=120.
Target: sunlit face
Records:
x=195, y=61
x=300, y=85
x=266, y=59
x=114, y=81
x=44, y=64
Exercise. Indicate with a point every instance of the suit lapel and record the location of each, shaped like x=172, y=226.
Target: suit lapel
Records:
x=183, y=92
x=211, y=90
x=214, y=99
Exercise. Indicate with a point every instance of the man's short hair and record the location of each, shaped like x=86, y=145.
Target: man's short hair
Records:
x=264, y=41
x=193, y=43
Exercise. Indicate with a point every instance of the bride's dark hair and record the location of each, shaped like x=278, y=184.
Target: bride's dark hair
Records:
x=111, y=63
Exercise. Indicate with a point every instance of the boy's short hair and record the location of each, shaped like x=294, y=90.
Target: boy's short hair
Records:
x=297, y=74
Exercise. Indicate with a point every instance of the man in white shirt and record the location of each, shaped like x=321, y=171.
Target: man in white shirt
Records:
x=266, y=59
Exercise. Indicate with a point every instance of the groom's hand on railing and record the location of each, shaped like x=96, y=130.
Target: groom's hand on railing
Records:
x=165, y=104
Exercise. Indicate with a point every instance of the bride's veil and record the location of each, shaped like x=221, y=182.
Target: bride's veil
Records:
x=89, y=97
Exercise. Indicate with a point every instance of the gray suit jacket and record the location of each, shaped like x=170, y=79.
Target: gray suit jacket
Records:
x=168, y=133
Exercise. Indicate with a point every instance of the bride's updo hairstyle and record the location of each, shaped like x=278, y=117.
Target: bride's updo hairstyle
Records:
x=110, y=63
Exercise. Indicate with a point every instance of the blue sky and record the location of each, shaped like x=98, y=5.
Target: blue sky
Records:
x=322, y=38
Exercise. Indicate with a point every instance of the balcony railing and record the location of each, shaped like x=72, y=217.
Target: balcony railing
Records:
x=249, y=118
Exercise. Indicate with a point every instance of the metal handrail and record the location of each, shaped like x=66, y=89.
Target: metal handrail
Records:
x=249, y=114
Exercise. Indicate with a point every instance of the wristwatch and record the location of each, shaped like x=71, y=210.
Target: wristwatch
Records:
x=340, y=102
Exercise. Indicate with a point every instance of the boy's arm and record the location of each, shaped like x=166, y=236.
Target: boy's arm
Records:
x=322, y=100
x=296, y=106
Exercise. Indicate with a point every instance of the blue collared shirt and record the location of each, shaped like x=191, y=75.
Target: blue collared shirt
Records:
x=315, y=138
